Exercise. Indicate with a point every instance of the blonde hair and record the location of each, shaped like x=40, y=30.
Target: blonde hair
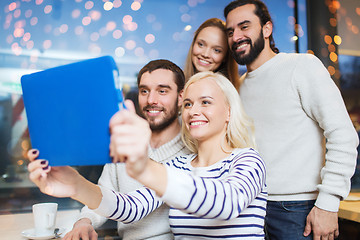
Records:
x=229, y=67
x=240, y=129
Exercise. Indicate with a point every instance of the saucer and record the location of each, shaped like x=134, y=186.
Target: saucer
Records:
x=30, y=234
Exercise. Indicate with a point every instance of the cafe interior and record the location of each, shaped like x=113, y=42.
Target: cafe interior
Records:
x=41, y=34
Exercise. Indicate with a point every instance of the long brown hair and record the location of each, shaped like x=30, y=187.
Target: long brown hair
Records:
x=229, y=67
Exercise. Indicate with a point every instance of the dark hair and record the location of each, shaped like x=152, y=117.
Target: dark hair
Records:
x=167, y=65
x=260, y=10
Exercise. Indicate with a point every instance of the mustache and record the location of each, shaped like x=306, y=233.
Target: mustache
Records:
x=236, y=44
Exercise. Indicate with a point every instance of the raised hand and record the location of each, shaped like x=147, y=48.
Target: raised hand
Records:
x=54, y=181
x=130, y=137
x=62, y=181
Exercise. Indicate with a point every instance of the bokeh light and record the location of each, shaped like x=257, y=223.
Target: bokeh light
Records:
x=108, y=6
x=135, y=6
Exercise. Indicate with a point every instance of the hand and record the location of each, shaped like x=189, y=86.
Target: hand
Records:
x=62, y=181
x=82, y=230
x=54, y=181
x=130, y=137
x=323, y=224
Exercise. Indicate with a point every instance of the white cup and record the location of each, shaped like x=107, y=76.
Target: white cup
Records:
x=44, y=218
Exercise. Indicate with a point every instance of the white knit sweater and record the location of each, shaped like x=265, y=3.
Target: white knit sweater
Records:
x=295, y=106
x=114, y=176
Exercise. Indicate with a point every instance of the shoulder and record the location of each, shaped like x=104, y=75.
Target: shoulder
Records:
x=181, y=162
x=247, y=156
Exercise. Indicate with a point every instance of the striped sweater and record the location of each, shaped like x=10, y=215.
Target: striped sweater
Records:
x=226, y=200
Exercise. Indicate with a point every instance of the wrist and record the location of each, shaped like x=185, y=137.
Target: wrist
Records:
x=83, y=221
x=154, y=177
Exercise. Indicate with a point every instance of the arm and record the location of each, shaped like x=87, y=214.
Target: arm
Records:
x=322, y=101
x=88, y=220
x=221, y=198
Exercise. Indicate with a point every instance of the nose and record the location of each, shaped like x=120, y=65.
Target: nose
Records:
x=194, y=110
x=205, y=52
x=152, y=98
x=237, y=35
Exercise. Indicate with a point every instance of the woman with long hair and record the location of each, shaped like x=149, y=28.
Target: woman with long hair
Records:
x=209, y=51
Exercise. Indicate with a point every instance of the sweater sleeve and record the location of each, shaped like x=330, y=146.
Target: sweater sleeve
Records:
x=127, y=208
x=220, y=198
x=322, y=102
x=107, y=179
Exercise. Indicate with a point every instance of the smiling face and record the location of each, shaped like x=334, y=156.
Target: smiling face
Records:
x=245, y=36
x=209, y=49
x=159, y=100
x=205, y=111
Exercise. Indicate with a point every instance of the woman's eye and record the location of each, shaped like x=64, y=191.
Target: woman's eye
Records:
x=186, y=105
x=217, y=50
x=200, y=44
x=205, y=102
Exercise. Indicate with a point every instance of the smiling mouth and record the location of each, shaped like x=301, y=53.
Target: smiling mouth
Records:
x=204, y=62
x=197, y=123
x=240, y=46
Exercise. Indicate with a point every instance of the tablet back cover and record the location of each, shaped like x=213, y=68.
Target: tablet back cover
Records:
x=68, y=110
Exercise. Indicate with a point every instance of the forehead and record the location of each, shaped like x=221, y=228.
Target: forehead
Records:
x=241, y=14
x=213, y=35
x=204, y=87
x=158, y=77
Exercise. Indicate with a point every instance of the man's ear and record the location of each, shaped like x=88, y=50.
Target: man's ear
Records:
x=180, y=98
x=267, y=29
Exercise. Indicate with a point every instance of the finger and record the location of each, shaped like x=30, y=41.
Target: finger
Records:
x=307, y=230
x=331, y=236
x=120, y=117
x=32, y=154
x=336, y=233
x=130, y=105
x=84, y=235
x=38, y=164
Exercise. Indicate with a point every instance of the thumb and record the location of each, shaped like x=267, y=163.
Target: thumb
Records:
x=307, y=230
x=130, y=105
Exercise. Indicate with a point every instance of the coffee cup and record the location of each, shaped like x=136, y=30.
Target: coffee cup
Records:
x=44, y=218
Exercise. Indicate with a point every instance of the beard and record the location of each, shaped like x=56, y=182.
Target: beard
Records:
x=167, y=120
x=255, y=50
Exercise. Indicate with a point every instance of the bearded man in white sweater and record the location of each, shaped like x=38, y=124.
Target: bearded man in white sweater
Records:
x=302, y=127
x=160, y=85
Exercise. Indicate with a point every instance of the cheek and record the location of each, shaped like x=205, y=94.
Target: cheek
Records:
x=142, y=101
x=218, y=59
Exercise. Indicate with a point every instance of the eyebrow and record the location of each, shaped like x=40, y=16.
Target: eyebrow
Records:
x=158, y=86
x=239, y=24
x=202, y=97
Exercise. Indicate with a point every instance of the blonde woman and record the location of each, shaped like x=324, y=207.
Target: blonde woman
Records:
x=218, y=191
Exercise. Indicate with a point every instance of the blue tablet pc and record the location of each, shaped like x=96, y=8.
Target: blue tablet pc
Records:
x=68, y=110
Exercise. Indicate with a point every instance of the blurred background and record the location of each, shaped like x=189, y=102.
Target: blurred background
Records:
x=40, y=34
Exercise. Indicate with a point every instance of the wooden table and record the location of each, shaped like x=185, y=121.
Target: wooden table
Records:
x=350, y=209
x=13, y=224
